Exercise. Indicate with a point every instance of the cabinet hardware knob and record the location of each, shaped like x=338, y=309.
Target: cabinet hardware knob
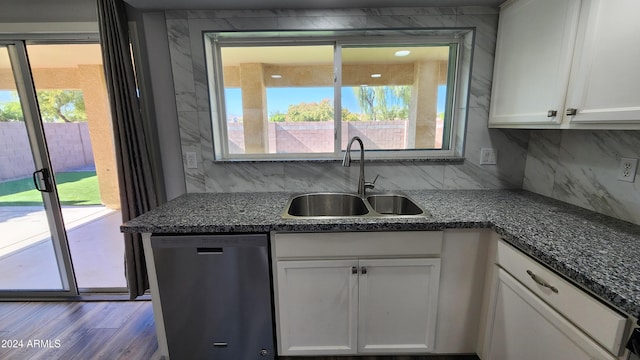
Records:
x=542, y=282
x=363, y=270
x=572, y=111
x=354, y=269
x=552, y=113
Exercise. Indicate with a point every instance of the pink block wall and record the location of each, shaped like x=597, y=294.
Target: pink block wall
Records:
x=314, y=136
x=68, y=143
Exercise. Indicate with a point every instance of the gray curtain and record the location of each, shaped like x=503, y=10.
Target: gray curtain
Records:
x=137, y=187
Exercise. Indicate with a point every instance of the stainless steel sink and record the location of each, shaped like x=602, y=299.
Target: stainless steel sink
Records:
x=323, y=205
x=326, y=204
x=393, y=204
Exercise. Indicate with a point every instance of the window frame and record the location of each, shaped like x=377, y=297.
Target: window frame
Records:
x=214, y=41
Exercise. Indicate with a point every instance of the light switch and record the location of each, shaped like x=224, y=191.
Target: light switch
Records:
x=192, y=160
x=488, y=156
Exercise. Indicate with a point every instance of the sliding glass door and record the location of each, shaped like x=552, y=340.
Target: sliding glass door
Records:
x=59, y=196
x=34, y=256
x=76, y=118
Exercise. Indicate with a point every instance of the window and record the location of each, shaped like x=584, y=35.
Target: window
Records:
x=304, y=97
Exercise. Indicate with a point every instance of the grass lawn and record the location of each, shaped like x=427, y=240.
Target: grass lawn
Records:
x=74, y=188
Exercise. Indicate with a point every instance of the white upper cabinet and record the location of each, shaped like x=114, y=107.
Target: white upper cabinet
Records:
x=605, y=85
x=567, y=64
x=533, y=61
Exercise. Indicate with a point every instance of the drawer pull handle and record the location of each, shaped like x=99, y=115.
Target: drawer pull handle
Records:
x=542, y=282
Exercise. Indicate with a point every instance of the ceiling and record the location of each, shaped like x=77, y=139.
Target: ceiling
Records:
x=85, y=10
x=323, y=54
x=58, y=56
x=47, y=11
x=301, y=4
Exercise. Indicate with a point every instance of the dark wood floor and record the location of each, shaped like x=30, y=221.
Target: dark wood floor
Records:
x=77, y=330
x=106, y=330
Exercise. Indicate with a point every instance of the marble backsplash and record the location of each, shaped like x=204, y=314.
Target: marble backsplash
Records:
x=581, y=167
x=192, y=100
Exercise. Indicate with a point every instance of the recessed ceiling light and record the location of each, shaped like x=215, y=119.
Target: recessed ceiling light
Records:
x=402, y=52
x=376, y=75
x=276, y=76
x=364, y=85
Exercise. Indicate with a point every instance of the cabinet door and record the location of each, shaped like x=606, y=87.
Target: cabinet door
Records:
x=605, y=84
x=534, y=50
x=398, y=305
x=317, y=307
x=521, y=326
x=462, y=272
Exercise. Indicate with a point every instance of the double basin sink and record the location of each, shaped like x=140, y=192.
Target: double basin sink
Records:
x=324, y=205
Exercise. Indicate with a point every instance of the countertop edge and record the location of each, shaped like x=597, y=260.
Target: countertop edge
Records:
x=538, y=238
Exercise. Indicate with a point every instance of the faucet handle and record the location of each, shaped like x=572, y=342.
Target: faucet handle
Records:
x=372, y=184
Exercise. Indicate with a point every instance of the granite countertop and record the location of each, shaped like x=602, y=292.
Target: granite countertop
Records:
x=597, y=252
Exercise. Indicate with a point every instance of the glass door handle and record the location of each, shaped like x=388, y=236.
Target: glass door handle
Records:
x=45, y=179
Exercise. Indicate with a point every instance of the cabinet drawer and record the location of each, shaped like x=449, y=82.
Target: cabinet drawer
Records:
x=603, y=324
x=356, y=244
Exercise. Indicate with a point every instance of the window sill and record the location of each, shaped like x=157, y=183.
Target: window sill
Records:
x=439, y=161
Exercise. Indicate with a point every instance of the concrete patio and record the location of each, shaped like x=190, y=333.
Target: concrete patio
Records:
x=27, y=260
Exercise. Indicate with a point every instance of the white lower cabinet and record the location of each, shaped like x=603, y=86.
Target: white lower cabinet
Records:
x=318, y=307
x=533, y=314
x=430, y=292
x=397, y=305
x=357, y=306
x=524, y=327
x=364, y=304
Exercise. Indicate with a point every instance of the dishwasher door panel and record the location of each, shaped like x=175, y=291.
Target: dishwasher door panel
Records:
x=215, y=296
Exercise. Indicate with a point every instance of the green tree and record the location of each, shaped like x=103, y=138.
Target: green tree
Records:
x=277, y=116
x=11, y=111
x=62, y=105
x=55, y=106
x=366, y=99
x=349, y=116
x=313, y=111
x=384, y=102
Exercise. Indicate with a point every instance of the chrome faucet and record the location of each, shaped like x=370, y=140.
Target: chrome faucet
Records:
x=346, y=162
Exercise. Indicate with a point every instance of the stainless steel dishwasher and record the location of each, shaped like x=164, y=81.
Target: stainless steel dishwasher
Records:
x=215, y=296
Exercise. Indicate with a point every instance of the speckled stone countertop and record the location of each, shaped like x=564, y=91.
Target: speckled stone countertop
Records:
x=600, y=253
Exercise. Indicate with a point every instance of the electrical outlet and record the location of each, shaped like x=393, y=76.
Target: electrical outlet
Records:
x=192, y=160
x=488, y=156
x=627, y=170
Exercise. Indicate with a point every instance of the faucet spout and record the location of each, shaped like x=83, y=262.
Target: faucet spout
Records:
x=346, y=161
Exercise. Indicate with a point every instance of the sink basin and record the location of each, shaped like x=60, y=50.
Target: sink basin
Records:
x=322, y=205
x=326, y=204
x=393, y=204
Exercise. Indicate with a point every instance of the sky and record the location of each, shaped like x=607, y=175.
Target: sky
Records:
x=7, y=96
x=278, y=99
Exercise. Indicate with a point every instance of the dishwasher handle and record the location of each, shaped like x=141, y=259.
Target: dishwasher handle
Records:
x=209, y=250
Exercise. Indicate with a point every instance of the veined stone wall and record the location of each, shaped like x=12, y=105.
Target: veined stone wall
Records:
x=195, y=113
